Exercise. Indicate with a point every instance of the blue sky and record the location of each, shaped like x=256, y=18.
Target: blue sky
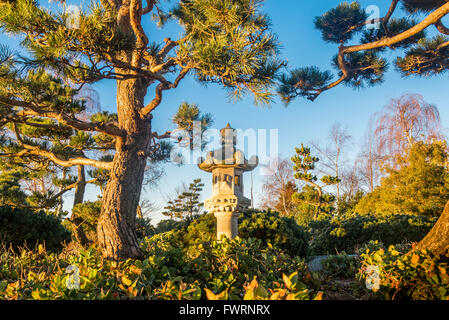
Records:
x=302, y=120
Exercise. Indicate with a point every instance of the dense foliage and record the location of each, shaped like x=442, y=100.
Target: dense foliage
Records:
x=340, y=266
x=19, y=227
x=333, y=235
x=239, y=269
x=419, y=186
x=417, y=275
x=88, y=213
x=10, y=191
x=269, y=227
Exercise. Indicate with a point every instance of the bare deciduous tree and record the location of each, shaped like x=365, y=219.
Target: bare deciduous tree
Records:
x=351, y=181
x=275, y=190
x=332, y=158
x=368, y=161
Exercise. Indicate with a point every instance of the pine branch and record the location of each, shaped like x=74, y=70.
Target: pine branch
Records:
x=149, y=7
x=36, y=151
x=135, y=17
x=432, y=19
x=169, y=45
x=161, y=87
x=389, y=14
x=33, y=110
x=441, y=27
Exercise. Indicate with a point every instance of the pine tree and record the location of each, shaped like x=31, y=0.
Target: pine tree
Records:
x=191, y=197
x=363, y=64
x=224, y=42
x=187, y=204
x=312, y=197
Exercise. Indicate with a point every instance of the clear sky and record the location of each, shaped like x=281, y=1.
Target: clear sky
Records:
x=300, y=122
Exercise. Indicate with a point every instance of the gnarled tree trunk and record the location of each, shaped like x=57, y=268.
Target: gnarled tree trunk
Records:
x=437, y=240
x=116, y=229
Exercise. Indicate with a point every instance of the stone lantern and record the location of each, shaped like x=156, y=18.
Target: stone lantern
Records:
x=227, y=165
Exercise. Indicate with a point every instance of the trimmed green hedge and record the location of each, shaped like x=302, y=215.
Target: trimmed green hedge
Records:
x=269, y=227
x=329, y=236
x=20, y=227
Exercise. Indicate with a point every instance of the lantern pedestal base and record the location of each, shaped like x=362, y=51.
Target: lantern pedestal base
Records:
x=227, y=224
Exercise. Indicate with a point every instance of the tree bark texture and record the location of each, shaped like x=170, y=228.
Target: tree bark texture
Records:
x=116, y=229
x=437, y=240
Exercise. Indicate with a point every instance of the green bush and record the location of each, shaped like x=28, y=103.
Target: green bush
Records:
x=404, y=274
x=340, y=266
x=167, y=225
x=88, y=212
x=144, y=228
x=189, y=234
x=333, y=235
x=237, y=269
x=19, y=227
x=268, y=227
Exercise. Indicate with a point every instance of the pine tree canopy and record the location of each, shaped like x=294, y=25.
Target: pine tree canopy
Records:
x=187, y=203
x=44, y=119
x=404, y=28
x=225, y=42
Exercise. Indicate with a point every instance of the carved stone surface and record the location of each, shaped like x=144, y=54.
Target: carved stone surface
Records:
x=227, y=203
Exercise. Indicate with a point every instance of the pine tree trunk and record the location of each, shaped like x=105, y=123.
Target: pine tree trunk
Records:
x=81, y=186
x=116, y=229
x=78, y=230
x=437, y=240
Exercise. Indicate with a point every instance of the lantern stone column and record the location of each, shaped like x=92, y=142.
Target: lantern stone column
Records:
x=227, y=224
x=227, y=165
